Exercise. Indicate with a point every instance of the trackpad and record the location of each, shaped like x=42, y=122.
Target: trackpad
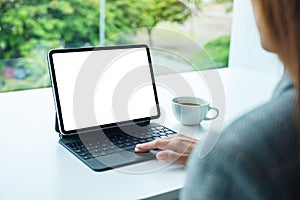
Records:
x=137, y=156
x=124, y=158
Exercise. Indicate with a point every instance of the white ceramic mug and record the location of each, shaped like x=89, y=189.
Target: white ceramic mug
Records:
x=192, y=110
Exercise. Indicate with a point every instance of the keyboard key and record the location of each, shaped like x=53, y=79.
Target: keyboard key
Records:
x=105, y=149
x=170, y=132
x=142, y=140
x=82, y=154
x=129, y=148
x=87, y=157
x=135, y=142
x=95, y=155
x=159, y=127
x=121, y=145
x=89, y=148
x=70, y=145
x=119, y=142
x=102, y=153
x=128, y=144
x=162, y=133
x=112, y=147
x=149, y=139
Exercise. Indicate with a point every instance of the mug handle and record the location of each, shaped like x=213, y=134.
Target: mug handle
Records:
x=211, y=118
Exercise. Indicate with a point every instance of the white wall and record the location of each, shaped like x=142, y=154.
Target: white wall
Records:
x=246, y=50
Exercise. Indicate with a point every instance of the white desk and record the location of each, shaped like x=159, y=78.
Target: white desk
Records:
x=34, y=166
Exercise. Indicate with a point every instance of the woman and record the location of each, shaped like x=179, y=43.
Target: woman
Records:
x=257, y=156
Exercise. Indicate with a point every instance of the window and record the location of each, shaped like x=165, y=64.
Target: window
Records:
x=185, y=34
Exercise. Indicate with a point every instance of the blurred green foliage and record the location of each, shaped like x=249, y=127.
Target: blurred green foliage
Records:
x=29, y=28
x=218, y=50
x=26, y=24
x=122, y=16
x=35, y=64
x=222, y=1
x=214, y=55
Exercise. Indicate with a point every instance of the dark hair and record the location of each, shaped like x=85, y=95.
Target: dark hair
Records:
x=283, y=20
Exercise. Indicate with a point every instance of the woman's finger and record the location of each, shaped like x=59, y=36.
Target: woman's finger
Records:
x=172, y=157
x=178, y=143
x=156, y=144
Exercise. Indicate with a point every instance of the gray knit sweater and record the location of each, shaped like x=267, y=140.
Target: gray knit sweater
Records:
x=256, y=157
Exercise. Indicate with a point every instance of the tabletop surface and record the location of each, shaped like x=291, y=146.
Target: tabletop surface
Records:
x=35, y=166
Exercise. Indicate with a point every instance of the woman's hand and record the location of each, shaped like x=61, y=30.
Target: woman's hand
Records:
x=175, y=148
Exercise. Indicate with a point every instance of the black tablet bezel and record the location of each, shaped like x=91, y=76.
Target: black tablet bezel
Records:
x=56, y=95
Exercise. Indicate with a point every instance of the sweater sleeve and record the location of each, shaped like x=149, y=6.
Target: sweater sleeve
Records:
x=256, y=157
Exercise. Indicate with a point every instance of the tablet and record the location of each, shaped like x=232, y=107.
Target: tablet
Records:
x=102, y=87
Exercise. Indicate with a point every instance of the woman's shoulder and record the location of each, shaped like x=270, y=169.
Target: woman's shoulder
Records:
x=257, y=156
x=267, y=137
x=269, y=126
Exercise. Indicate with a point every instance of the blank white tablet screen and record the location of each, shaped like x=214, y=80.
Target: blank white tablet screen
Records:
x=103, y=87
